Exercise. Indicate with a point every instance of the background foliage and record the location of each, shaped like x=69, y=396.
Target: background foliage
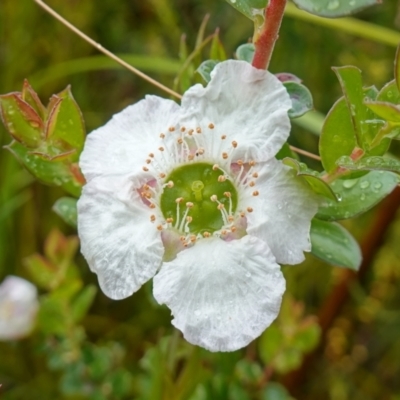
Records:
x=87, y=346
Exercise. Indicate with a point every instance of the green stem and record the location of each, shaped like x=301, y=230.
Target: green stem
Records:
x=267, y=36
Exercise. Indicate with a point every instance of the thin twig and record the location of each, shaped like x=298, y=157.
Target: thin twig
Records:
x=305, y=153
x=108, y=53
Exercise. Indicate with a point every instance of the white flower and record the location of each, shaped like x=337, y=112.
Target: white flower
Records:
x=193, y=196
x=18, y=308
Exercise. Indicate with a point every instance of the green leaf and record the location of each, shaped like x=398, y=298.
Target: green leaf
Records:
x=334, y=244
x=65, y=127
x=217, y=51
x=311, y=177
x=275, y=391
x=351, y=82
x=20, y=120
x=54, y=173
x=270, y=343
x=65, y=207
x=387, y=111
x=301, y=97
x=397, y=68
x=82, y=302
x=246, y=52
x=250, y=8
x=357, y=195
x=333, y=8
x=205, y=69
x=31, y=97
x=286, y=152
x=338, y=136
x=307, y=337
x=43, y=273
x=389, y=93
x=370, y=164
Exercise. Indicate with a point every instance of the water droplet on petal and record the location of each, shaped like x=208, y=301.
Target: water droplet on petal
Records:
x=362, y=197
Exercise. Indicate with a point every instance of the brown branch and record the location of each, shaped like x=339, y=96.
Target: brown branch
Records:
x=265, y=40
x=334, y=302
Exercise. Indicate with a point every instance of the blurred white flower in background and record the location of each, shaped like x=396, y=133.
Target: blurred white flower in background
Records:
x=18, y=308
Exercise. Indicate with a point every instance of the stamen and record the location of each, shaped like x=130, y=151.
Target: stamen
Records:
x=198, y=130
x=162, y=175
x=211, y=126
x=234, y=144
x=215, y=167
x=159, y=227
x=170, y=184
x=206, y=234
x=249, y=209
x=170, y=220
x=190, y=133
x=152, y=205
x=145, y=169
x=148, y=161
x=171, y=129
x=151, y=155
x=233, y=228
x=183, y=129
x=256, y=193
x=222, y=178
x=152, y=218
x=161, y=148
x=162, y=135
x=223, y=137
x=251, y=183
x=224, y=155
x=255, y=175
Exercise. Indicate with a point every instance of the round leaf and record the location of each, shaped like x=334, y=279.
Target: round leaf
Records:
x=334, y=8
x=301, y=98
x=334, y=244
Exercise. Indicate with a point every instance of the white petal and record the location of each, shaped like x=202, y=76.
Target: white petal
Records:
x=118, y=240
x=282, y=212
x=222, y=294
x=246, y=104
x=123, y=144
x=18, y=308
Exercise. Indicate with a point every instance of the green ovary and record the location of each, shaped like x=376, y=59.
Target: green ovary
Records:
x=196, y=183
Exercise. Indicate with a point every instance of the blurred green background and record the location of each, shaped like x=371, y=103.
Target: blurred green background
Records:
x=87, y=346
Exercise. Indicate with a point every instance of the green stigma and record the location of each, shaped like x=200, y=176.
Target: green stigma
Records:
x=201, y=198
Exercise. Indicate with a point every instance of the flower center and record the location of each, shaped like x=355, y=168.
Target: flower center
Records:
x=198, y=198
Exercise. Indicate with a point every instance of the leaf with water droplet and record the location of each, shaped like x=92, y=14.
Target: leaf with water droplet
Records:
x=247, y=7
x=372, y=164
x=21, y=121
x=334, y=8
x=53, y=173
x=301, y=98
x=380, y=185
x=334, y=244
x=65, y=128
x=65, y=207
x=338, y=137
x=311, y=177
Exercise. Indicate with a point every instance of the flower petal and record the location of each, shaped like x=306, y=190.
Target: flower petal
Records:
x=118, y=240
x=282, y=212
x=123, y=144
x=248, y=105
x=222, y=294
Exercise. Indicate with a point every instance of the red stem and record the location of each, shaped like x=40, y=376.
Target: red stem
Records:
x=265, y=40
